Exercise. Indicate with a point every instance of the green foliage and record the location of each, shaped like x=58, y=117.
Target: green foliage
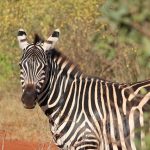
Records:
x=125, y=34
x=76, y=20
x=147, y=143
x=131, y=19
x=5, y=65
x=88, y=31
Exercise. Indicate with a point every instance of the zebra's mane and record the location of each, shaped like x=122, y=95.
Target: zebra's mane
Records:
x=37, y=39
x=56, y=54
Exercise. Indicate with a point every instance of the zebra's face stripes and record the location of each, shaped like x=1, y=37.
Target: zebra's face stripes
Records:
x=33, y=66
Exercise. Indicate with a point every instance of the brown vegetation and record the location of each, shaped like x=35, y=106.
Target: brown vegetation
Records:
x=87, y=37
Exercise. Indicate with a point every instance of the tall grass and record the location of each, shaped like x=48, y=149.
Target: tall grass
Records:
x=20, y=123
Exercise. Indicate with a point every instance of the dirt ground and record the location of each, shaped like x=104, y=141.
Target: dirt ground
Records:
x=11, y=144
x=24, y=145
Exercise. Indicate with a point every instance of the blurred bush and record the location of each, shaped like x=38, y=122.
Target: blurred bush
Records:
x=109, y=39
x=76, y=19
x=124, y=38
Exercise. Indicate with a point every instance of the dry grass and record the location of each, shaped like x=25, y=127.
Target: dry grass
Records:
x=19, y=123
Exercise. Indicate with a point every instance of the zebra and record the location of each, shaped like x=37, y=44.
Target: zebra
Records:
x=84, y=112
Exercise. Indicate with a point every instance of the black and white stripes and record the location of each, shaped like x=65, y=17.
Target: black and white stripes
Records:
x=84, y=112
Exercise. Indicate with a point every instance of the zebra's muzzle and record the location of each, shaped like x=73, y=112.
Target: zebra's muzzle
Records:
x=29, y=97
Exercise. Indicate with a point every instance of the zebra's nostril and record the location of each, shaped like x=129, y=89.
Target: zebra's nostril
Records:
x=29, y=97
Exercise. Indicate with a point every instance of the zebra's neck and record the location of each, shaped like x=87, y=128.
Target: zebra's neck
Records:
x=59, y=63
x=61, y=73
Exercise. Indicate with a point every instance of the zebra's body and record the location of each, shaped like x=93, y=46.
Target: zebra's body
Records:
x=92, y=107
x=86, y=112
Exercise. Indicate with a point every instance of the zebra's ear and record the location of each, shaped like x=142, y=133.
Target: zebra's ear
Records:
x=22, y=39
x=51, y=41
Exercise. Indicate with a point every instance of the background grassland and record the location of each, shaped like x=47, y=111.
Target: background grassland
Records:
x=109, y=39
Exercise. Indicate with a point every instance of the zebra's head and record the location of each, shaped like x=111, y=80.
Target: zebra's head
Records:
x=33, y=66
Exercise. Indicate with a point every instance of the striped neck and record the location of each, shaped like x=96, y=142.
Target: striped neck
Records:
x=59, y=66
x=60, y=63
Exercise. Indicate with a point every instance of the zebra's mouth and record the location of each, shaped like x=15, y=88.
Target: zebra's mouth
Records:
x=29, y=107
x=29, y=97
x=28, y=103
